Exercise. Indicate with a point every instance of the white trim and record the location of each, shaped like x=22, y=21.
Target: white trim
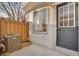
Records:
x=68, y=15
x=74, y=14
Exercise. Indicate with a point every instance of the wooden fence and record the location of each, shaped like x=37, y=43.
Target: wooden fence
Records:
x=15, y=27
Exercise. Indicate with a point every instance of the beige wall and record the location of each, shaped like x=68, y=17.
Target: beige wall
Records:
x=50, y=38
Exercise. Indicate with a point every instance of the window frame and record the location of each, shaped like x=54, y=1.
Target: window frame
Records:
x=62, y=6
x=37, y=10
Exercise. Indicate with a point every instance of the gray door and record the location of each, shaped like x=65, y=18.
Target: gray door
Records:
x=67, y=30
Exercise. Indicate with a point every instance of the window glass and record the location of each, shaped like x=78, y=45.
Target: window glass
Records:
x=71, y=15
x=66, y=16
x=61, y=23
x=66, y=8
x=71, y=7
x=61, y=11
x=65, y=22
x=71, y=22
x=61, y=17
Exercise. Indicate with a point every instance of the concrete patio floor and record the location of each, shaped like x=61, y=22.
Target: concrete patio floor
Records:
x=36, y=50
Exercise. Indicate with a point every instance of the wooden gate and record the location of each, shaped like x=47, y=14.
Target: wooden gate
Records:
x=15, y=27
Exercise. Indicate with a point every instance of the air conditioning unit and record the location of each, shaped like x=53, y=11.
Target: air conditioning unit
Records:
x=13, y=42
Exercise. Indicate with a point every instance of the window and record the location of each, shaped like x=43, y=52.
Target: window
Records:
x=66, y=15
x=40, y=18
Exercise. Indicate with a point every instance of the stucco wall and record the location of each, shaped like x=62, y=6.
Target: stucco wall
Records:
x=47, y=40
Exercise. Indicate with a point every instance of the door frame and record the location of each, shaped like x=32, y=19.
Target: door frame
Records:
x=64, y=3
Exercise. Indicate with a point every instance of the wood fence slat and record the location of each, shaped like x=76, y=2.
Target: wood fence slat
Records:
x=14, y=27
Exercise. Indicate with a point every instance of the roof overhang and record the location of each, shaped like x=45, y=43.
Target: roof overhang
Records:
x=35, y=5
